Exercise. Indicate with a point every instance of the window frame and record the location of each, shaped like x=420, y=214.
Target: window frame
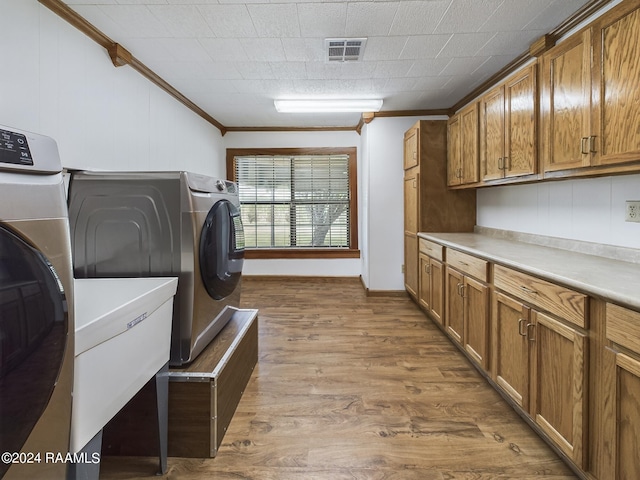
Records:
x=315, y=252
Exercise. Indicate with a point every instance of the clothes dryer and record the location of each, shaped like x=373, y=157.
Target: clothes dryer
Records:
x=146, y=224
x=36, y=308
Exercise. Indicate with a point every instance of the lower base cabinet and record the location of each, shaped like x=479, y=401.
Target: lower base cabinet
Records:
x=540, y=363
x=432, y=287
x=623, y=378
x=467, y=315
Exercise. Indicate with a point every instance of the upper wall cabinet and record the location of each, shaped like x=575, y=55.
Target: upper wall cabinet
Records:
x=590, y=100
x=565, y=104
x=616, y=76
x=462, y=151
x=508, y=136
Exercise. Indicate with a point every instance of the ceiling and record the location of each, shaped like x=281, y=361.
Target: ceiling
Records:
x=233, y=58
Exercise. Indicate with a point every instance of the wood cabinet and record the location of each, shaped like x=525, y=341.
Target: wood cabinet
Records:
x=432, y=286
x=565, y=104
x=616, y=73
x=508, y=132
x=429, y=206
x=590, y=101
x=467, y=304
x=623, y=331
x=463, y=148
x=539, y=360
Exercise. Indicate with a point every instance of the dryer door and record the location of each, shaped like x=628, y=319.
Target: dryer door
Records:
x=222, y=249
x=33, y=331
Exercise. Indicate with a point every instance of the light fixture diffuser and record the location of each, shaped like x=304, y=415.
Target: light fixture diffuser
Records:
x=327, y=106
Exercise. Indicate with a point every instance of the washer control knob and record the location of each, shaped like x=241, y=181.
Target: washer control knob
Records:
x=220, y=185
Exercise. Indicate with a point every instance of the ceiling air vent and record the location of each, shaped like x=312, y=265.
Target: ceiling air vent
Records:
x=344, y=49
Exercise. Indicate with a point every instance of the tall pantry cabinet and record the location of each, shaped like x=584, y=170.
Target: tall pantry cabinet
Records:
x=429, y=206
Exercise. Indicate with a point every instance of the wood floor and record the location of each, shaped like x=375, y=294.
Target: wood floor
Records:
x=356, y=387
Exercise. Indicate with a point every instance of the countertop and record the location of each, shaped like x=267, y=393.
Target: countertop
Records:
x=612, y=280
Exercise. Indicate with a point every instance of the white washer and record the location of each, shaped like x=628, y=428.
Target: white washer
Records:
x=36, y=305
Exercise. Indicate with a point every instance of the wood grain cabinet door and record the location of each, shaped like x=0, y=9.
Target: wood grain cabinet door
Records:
x=616, y=113
x=510, y=348
x=476, y=321
x=425, y=283
x=469, y=145
x=520, y=136
x=565, y=104
x=455, y=305
x=411, y=148
x=558, y=384
x=627, y=418
x=411, y=202
x=492, y=134
x=411, y=279
x=454, y=151
x=437, y=290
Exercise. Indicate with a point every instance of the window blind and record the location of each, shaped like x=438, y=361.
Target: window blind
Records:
x=297, y=201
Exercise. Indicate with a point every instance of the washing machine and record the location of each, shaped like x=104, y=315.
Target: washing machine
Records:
x=36, y=308
x=145, y=224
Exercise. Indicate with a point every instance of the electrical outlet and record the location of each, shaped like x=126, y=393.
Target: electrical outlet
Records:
x=402, y=268
x=632, y=211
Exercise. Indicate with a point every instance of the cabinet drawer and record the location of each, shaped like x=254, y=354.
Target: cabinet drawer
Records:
x=468, y=264
x=432, y=249
x=560, y=301
x=623, y=327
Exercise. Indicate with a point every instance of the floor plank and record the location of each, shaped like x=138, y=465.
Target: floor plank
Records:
x=356, y=387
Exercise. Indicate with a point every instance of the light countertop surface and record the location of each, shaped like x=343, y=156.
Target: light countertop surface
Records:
x=612, y=280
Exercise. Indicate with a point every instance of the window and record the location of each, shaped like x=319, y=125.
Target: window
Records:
x=297, y=202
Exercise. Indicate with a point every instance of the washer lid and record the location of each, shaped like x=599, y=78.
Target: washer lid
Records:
x=106, y=307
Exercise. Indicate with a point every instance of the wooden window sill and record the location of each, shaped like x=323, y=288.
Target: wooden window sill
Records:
x=269, y=253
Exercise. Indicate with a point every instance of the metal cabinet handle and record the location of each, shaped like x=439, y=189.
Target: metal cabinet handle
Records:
x=522, y=332
x=528, y=290
x=462, y=291
x=501, y=163
x=460, y=285
x=592, y=144
x=415, y=184
x=582, y=145
x=427, y=269
x=530, y=329
x=506, y=163
x=415, y=155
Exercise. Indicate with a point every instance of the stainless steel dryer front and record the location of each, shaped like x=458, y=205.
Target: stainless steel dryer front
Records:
x=141, y=224
x=36, y=308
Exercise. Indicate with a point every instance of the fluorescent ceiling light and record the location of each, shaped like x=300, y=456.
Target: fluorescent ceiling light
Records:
x=323, y=105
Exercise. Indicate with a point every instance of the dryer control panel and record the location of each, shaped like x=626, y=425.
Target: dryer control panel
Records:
x=26, y=152
x=14, y=148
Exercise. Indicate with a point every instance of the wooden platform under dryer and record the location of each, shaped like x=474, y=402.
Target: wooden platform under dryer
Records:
x=203, y=396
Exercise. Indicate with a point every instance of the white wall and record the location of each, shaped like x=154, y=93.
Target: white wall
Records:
x=383, y=143
x=590, y=210
x=55, y=81
x=349, y=267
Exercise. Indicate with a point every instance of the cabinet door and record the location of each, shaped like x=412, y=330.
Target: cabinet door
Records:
x=627, y=410
x=510, y=352
x=616, y=113
x=469, y=160
x=476, y=321
x=455, y=305
x=437, y=290
x=454, y=151
x=425, y=283
x=411, y=202
x=411, y=266
x=558, y=401
x=492, y=133
x=566, y=104
x=520, y=136
x=411, y=149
